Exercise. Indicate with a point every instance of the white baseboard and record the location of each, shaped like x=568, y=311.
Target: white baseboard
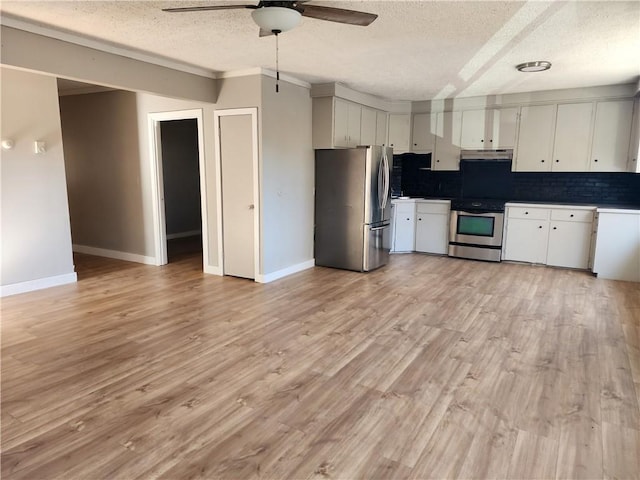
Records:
x=190, y=233
x=212, y=270
x=39, y=284
x=270, y=277
x=103, y=252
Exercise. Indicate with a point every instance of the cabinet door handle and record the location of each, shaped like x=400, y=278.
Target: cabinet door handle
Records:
x=540, y=226
x=595, y=159
x=419, y=219
x=542, y=161
x=526, y=213
x=438, y=161
x=482, y=141
x=408, y=219
x=555, y=228
x=557, y=161
x=415, y=144
x=571, y=215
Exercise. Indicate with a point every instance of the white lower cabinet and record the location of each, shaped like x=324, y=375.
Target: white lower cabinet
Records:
x=432, y=227
x=404, y=227
x=526, y=240
x=569, y=244
x=554, y=235
x=421, y=226
x=617, y=252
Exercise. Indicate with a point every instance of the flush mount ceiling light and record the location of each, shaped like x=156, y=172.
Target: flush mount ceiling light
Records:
x=276, y=19
x=540, y=66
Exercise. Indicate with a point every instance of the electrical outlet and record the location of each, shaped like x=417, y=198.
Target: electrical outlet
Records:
x=39, y=147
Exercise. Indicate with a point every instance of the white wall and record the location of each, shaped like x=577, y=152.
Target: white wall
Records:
x=98, y=120
x=286, y=169
x=287, y=165
x=146, y=104
x=35, y=231
x=100, y=134
x=40, y=53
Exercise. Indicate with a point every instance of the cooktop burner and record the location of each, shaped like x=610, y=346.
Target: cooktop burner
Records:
x=477, y=205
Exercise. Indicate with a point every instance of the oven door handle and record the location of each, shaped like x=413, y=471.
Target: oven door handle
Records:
x=477, y=212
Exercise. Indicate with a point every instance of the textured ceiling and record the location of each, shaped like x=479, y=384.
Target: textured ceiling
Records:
x=415, y=50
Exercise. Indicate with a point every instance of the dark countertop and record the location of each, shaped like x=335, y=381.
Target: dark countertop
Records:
x=620, y=206
x=578, y=204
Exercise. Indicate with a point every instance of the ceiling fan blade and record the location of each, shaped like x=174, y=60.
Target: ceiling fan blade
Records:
x=340, y=15
x=265, y=33
x=206, y=7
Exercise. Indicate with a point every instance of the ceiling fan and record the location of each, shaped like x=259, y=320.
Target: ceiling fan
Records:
x=274, y=17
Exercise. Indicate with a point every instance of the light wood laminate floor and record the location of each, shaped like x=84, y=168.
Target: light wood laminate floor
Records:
x=428, y=368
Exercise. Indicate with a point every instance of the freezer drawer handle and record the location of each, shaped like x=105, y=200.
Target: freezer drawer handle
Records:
x=379, y=228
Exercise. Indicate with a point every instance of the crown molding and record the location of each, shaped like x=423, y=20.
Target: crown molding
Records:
x=266, y=72
x=27, y=26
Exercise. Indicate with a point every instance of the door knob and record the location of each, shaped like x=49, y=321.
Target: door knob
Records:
x=251, y=207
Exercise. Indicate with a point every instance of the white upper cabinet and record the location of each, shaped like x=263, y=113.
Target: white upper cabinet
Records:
x=634, y=144
x=368, y=127
x=489, y=129
x=354, y=112
x=341, y=124
x=381, y=127
x=473, y=129
x=423, y=137
x=505, y=126
x=400, y=132
x=336, y=123
x=535, y=142
x=611, y=135
x=447, y=146
x=573, y=131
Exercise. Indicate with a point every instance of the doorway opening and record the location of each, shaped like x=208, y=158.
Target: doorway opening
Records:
x=181, y=185
x=177, y=163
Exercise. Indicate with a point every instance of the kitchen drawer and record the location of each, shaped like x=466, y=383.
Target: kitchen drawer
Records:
x=405, y=207
x=568, y=215
x=427, y=207
x=532, y=213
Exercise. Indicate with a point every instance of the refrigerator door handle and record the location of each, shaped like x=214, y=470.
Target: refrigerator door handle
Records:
x=381, y=185
x=375, y=229
x=385, y=163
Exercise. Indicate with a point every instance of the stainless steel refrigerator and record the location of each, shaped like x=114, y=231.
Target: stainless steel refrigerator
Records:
x=353, y=207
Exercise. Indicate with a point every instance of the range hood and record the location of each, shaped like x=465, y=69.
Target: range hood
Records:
x=506, y=154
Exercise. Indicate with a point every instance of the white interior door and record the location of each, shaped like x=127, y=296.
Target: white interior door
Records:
x=238, y=208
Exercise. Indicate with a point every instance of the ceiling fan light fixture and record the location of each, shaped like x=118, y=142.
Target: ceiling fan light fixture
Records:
x=278, y=19
x=539, y=66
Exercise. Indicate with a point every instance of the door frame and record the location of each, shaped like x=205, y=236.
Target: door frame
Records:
x=253, y=111
x=157, y=183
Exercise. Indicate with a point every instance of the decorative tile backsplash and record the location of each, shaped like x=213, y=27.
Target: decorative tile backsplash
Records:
x=595, y=188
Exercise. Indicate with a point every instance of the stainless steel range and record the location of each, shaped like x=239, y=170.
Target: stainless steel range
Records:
x=477, y=218
x=476, y=230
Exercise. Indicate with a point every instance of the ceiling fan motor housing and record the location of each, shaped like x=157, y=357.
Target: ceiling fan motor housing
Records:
x=280, y=19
